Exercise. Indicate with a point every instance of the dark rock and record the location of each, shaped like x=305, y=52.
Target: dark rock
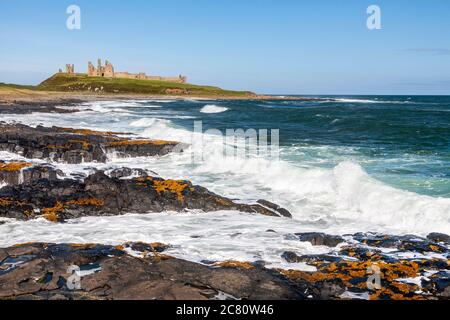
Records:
x=121, y=276
x=439, y=237
x=292, y=257
x=147, y=247
x=27, y=107
x=37, y=173
x=100, y=195
x=76, y=145
x=438, y=284
x=276, y=208
x=402, y=243
x=14, y=173
x=365, y=254
x=11, y=172
x=127, y=172
x=320, y=239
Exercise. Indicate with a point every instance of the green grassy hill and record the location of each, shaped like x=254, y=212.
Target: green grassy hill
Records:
x=83, y=83
x=16, y=86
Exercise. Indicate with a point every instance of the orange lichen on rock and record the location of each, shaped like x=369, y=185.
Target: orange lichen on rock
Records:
x=235, y=264
x=5, y=202
x=85, y=202
x=354, y=273
x=14, y=166
x=90, y=132
x=141, y=142
x=172, y=186
x=51, y=214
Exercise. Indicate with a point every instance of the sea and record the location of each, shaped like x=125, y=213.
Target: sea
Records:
x=339, y=164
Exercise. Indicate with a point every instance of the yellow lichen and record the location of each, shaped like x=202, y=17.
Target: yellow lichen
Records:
x=51, y=214
x=141, y=142
x=14, y=166
x=5, y=202
x=90, y=132
x=346, y=271
x=172, y=186
x=235, y=264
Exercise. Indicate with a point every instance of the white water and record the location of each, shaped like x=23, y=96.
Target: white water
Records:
x=341, y=200
x=212, y=108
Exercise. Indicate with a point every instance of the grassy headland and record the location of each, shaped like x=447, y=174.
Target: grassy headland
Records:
x=82, y=83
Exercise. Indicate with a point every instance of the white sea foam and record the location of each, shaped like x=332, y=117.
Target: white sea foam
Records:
x=212, y=108
x=357, y=100
x=375, y=100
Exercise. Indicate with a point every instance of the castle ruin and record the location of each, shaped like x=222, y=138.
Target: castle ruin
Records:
x=70, y=68
x=107, y=71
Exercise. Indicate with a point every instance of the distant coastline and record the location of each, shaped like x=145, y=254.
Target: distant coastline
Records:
x=63, y=88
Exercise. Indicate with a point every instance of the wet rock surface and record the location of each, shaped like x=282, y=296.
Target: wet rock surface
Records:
x=24, y=107
x=439, y=237
x=274, y=207
x=75, y=146
x=320, y=239
x=101, y=195
x=15, y=173
x=49, y=271
x=377, y=267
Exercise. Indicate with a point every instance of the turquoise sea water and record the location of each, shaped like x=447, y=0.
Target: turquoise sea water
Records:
x=401, y=140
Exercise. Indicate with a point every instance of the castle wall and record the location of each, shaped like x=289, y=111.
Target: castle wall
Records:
x=107, y=71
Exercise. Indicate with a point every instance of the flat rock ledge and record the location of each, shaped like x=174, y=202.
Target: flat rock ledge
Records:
x=40, y=271
x=40, y=193
x=75, y=146
x=142, y=271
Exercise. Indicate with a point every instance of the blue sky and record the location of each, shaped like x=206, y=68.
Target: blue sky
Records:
x=267, y=46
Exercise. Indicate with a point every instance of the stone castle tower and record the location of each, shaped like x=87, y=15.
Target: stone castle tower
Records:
x=70, y=68
x=106, y=71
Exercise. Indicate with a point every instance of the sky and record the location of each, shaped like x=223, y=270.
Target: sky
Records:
x=266, y=46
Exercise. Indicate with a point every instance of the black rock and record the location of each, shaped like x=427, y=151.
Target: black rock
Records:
x=116, y=275
x=77, y=145
x=292, y=257
x=100, y=195
x=439, y=237
x=276, y=208
x=128, y=172
x=401, y=243
x=320, y=239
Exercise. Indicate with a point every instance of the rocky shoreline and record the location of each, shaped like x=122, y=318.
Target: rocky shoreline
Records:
x=141, y=271
x=407, y=267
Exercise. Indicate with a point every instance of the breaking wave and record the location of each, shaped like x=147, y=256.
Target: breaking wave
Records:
x=212, y=108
